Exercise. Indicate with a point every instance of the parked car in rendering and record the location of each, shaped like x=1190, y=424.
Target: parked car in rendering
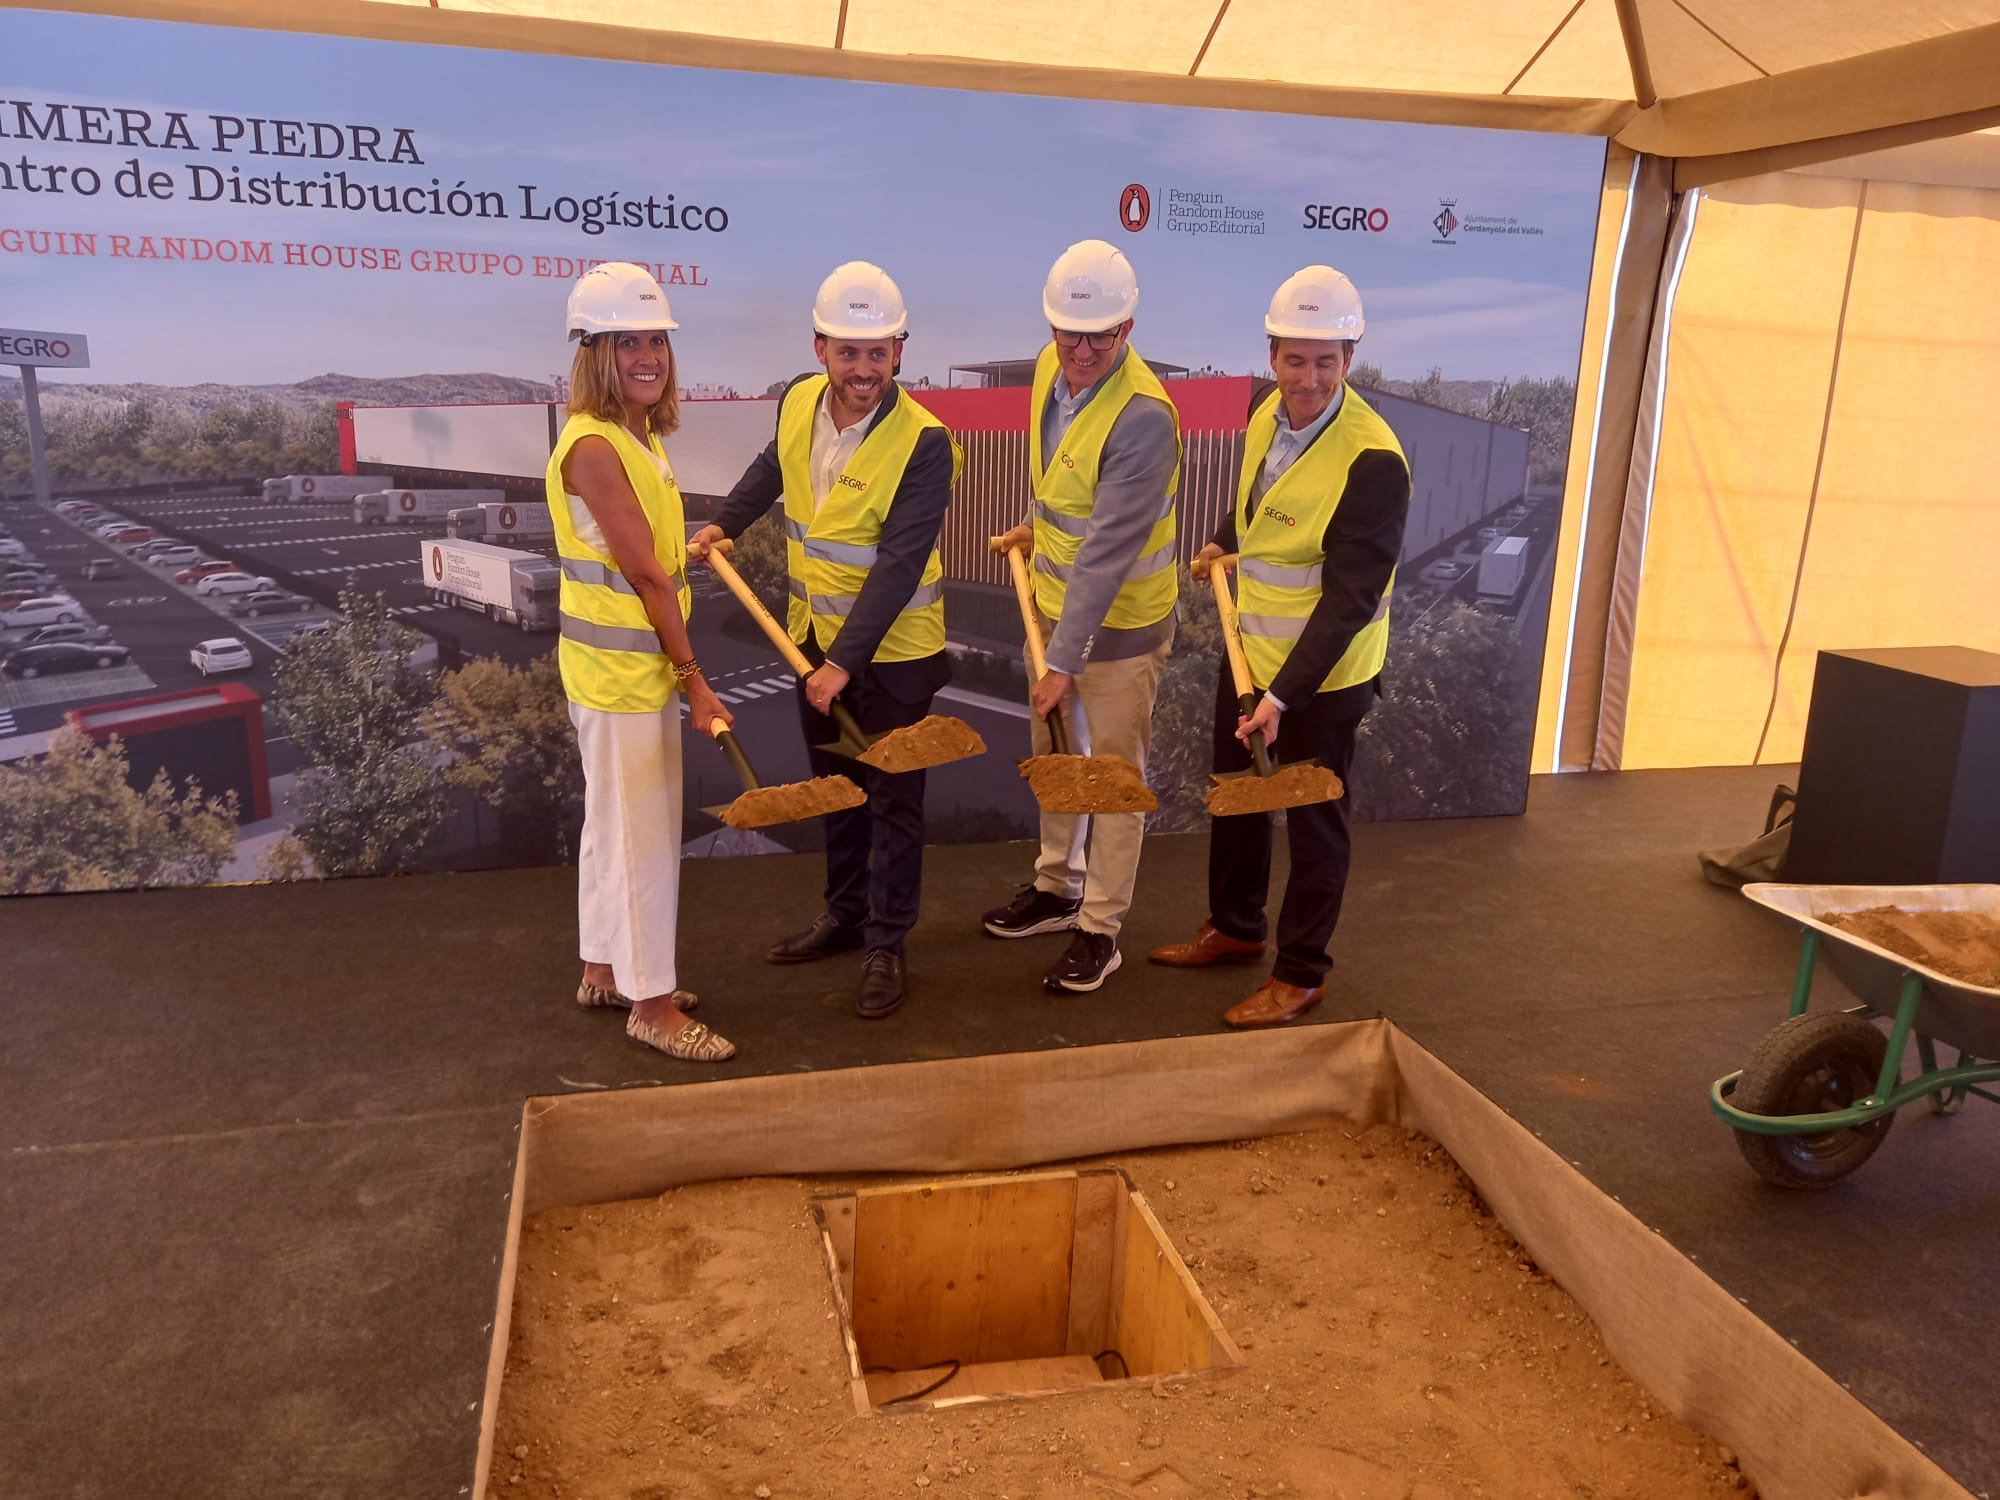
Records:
x=110, y=526
x=268, y=602
x=75, y=630
x=62, y=656
x=223, y=654
x=9, y=547
x=156, y=544
x=1490, y=534
x=31, y=577
x=310, y=628
x=9, y=597
x=1446, y=571
x=200, y=571
x=42, y=609
x=131, y=541
x=175, y=555
x=232, y=583
x=101, y=567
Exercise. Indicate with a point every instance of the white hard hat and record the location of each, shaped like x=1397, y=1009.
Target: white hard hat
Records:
x=860, y=301
x=1316, y=303
x=617, y=297
x=1090, y=288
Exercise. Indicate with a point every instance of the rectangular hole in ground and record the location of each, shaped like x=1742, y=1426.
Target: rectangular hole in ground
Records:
x=1010, y=1286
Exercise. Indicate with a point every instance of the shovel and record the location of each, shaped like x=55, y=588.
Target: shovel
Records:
x=1264, y=787
x=760, y=806
x=932, y=741
x=1062, y=782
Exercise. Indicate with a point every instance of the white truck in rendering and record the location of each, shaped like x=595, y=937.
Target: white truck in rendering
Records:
x=514, y=588
x=295, y=489
x=501, y=523
x=1503, y=568
x=409, y=507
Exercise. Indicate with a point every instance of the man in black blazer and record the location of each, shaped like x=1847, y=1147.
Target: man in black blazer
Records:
x=865, y=476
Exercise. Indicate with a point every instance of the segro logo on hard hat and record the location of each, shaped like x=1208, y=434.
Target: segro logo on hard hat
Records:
x=860, y=306
x=437, y=563
x=1308, y=307
x=1135, y=207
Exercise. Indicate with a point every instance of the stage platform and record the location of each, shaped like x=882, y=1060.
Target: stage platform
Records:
x=258, y=1140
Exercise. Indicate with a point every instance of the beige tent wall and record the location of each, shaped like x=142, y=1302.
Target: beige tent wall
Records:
x=1820, y=476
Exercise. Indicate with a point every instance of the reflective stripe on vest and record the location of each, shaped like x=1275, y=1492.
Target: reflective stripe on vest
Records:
x=830, y=546
x=611, y=637
x=1065, y=488
x=610, y=655
x=1281, y=534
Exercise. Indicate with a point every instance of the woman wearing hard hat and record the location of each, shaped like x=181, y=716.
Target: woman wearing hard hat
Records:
x=624, y=652
x=1321, y=502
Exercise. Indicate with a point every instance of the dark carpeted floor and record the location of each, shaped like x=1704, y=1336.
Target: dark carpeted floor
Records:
x=258, y=1140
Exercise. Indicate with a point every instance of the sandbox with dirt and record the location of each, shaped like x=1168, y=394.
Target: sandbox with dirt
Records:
x=1400, y=1346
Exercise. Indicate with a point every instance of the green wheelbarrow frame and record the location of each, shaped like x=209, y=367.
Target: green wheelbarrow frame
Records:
x=1946, y=1088
x=1822, y=1087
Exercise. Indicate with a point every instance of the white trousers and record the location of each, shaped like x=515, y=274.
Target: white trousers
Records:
x=629, y=866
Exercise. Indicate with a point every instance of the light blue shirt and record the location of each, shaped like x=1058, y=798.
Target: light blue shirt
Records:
x=1292, y=441
x=1064, y=405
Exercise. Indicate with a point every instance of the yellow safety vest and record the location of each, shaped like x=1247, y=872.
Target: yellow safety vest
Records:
x=611, y=658
x=1066, y=493
x=829, y=551
x=1281, y=545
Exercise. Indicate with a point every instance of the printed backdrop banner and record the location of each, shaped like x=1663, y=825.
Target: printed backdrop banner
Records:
x=323, y=280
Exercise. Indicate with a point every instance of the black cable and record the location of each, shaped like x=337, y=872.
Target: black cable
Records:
x=1114, y=1354
x=942, y=1380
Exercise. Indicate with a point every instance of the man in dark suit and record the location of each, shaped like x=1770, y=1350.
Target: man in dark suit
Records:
x=865, y=475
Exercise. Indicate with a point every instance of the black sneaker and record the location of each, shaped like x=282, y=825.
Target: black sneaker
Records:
x=1031, y=911
x=883, y=985
x=823, y=939
x=1090, y=959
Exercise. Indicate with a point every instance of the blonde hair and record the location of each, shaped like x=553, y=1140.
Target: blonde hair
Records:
x=594, y=392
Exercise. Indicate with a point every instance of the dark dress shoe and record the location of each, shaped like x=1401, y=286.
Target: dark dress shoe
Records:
x=1274, y=1004
x=882, y=985
x=823, y=939
x=1207, y=947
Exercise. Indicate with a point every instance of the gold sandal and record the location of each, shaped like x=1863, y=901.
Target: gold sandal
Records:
x=694, y=1042
x=603, y=997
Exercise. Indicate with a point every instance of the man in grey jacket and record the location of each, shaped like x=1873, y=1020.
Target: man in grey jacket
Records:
x=1104, y=462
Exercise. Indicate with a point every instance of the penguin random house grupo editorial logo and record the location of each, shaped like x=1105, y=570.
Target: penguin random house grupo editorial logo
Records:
x=1135, y=207
x=437, y=563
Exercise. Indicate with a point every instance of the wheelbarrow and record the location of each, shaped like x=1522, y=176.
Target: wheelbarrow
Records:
x=1821, y=1090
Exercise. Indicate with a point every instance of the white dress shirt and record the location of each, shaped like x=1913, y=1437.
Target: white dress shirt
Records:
x=832, y=447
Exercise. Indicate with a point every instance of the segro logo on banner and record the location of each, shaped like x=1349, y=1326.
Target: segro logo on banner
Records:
x=55, y=351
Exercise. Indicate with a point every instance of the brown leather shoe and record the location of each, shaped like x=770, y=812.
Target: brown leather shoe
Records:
x=1208, y=947
x=1274, y=1004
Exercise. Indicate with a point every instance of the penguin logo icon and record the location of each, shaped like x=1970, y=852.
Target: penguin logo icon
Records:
x=1135, y=207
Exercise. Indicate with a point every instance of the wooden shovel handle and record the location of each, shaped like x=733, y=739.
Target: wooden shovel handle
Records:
x=1232, y=635
x=747, y=597
x=1031, y=621
x=719, y=728
x=1232, y=645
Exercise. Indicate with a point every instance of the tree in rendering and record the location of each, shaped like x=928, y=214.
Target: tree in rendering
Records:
x=371, y=796
x=1447, y=738
x=504, y=735
x=71, y=821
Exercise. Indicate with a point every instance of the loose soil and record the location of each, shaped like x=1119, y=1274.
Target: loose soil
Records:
x=1401, y=1346
x=1962, y=944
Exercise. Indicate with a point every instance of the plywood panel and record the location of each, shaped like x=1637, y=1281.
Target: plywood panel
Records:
x=974, y=1272
x=1091, y=1259
x=1162, y=1325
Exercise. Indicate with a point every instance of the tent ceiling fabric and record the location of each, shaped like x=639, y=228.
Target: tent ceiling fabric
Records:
x=1730, y=75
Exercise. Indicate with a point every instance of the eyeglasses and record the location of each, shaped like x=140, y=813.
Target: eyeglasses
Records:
x=1101, y=342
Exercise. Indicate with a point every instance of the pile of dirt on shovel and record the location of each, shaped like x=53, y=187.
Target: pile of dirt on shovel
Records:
x=1962, y=944
x=934, y=740
x=1088, y=784
x=793, y=800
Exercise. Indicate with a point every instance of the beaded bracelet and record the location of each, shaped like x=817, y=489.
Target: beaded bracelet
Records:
x=683, y=670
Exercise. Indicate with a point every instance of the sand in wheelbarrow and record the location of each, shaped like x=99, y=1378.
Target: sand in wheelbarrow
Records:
x=1399, y=1343
x=1962, y=944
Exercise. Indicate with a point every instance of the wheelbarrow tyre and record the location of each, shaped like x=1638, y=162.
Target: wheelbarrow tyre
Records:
x=1812, y=1064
